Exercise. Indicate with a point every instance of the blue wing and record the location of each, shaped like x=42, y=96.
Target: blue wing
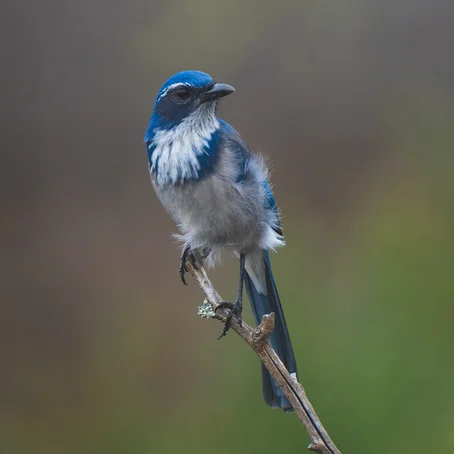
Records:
x=270, y=204
x=236, y=144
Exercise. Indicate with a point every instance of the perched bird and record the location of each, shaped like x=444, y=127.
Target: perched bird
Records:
x=217, y=192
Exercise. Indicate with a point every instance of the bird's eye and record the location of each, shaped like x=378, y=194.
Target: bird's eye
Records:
x=181, y=95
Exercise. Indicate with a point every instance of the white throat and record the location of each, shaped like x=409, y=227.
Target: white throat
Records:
x=175, y=153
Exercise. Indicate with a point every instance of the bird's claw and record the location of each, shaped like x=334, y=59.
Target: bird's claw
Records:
x=234, y=310
x=195, y=257
x=183, y=270
x=187, y=255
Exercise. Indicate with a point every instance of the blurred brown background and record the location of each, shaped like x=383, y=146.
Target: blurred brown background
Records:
x=101, y=350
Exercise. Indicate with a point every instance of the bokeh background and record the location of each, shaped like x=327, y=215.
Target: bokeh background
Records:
x=101, y=350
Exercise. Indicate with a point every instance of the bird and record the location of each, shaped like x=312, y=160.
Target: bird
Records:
x=218, y=193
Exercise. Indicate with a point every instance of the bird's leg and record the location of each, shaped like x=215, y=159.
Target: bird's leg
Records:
x=196, y=257
x=237, y=308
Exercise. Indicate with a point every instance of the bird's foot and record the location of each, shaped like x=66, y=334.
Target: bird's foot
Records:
x=235, y=310
x=187, y=255
x=195, y=258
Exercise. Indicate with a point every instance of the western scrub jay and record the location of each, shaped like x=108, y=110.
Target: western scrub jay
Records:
x=217, y=192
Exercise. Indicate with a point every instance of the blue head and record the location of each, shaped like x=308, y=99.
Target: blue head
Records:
x=184, y=94
x=183, y=137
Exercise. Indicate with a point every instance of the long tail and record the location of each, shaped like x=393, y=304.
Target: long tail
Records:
x=263, y=296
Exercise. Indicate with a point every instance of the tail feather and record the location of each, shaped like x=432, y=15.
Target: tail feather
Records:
x=262, y=304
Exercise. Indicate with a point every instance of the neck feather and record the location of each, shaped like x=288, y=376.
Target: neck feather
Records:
x=187, y=151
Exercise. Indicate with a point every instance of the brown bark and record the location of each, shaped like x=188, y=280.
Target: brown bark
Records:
x=258, y=339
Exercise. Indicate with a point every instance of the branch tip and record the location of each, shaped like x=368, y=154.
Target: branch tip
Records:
x=261, y=334
x=258, y=339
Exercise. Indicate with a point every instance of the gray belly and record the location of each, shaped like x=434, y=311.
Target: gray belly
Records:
x=214, y=212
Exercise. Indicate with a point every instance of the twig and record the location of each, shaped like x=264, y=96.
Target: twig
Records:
x=258, y=339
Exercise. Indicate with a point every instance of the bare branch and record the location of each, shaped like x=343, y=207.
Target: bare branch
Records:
x=258, y=339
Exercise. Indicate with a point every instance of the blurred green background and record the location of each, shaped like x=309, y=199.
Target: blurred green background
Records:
x=101, y=350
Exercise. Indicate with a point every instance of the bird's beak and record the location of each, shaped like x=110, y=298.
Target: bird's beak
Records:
x=216, y=91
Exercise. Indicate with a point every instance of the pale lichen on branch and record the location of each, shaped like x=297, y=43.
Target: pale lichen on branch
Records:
x=258, y=339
